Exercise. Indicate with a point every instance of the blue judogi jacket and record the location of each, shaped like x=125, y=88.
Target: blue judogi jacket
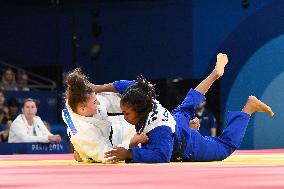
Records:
x=184, y=147
x=159, y=128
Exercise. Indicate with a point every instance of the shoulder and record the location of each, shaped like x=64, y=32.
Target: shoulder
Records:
x=17, y=123
x=18, y=120
x=160, y=133
x=159, y=117
x=37, y=118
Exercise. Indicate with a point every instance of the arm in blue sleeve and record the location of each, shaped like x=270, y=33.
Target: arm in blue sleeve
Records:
x=192, y=100
x=122, y=85
x=158, y=149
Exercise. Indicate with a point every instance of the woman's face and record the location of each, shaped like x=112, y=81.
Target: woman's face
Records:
x=8, y=75
x=129, y=114
x=89, y=108
x=23, y=81
x=29, y=109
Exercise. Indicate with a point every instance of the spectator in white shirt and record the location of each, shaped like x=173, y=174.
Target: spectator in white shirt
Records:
x=28, y=127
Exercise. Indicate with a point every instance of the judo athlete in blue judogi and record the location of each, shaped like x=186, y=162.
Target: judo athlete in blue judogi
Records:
x=154, y=121
x=169, y=135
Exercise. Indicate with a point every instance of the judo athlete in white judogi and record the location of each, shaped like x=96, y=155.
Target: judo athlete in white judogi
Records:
x=92, y=132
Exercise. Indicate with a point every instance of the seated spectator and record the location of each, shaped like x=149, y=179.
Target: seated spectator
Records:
x=2, y=97
x=2, y=100
x=13, y=108
x=28, y=127
x=4, y=135
x=9, y=80
x=4, y=117
x=23, y=82
x=208, y=126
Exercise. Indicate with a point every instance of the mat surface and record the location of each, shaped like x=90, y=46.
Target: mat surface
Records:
x=244, y=169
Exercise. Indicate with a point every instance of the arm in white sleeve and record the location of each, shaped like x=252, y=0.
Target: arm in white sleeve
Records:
x=111, y=101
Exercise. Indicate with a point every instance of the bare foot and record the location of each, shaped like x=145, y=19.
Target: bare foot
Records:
x=255, y=105
x=222, y=61
x=77, y=156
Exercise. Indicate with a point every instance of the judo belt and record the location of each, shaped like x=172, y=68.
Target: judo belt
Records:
x=179, y=147
x=114, y=114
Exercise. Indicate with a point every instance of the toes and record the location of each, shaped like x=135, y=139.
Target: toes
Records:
x=271, y=113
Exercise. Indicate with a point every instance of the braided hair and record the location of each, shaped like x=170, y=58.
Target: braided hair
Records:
x=140, y=98
x=78, y=88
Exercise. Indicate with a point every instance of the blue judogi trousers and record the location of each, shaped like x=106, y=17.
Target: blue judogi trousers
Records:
x=190, y=145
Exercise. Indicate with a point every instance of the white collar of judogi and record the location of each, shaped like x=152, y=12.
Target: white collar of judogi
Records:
x=159, y=116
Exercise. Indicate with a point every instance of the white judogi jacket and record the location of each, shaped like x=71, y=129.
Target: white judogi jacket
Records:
x=91, y=139
x=20, y=131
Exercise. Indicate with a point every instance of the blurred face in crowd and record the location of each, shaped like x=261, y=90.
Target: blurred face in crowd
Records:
x=2, y=111
x=200, y=109
x=13, y=110
x=9, y=75
x=3, y=116
x=89, y=108
x=2, y=98
x=29, y=109
x=23, y=81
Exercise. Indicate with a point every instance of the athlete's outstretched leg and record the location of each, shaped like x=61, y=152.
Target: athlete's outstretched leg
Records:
x=235, y=131
x=219, y=148
x=221, y=62
x=196, y=96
